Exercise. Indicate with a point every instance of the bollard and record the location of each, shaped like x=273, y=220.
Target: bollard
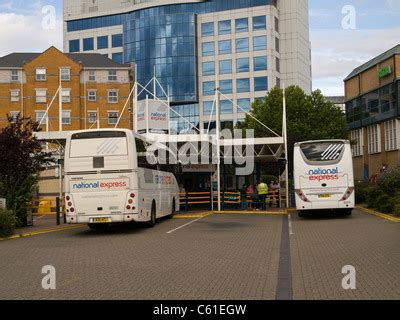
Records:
x=58, y=211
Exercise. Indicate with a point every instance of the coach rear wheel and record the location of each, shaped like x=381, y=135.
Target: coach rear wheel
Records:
x=152, y=221
x=172, y=210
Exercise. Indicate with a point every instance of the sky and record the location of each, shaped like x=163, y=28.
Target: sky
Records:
x=343, y=33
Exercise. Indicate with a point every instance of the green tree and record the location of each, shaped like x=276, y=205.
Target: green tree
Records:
x=21, y=160
x=309, y=117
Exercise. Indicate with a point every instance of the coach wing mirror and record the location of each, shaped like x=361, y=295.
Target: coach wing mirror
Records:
x=60, y=162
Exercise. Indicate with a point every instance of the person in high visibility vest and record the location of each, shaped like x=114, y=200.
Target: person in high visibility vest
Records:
x=262, y=193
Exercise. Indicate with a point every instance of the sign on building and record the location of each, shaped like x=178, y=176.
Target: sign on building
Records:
x=152, y=116
x=2, y=203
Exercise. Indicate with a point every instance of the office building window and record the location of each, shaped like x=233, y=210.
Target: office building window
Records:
x=243, y=85
x=226, y=106
x=208, y=49
x=112, y=117
x=112, y=96
x=391, y=129
x=15, y=95
x=278, y=65
x=260, y=43
x=65, y=74
x=224, y=27
x=14, y=116
x=278, y=83
x=66, y=117
x=260, y=63
x=41, y=95
x=207, y=107
x=244, y=105
x=242, y=65
x=117, y=40
x=261, y=84
x=88, y=44
x=74, y=46
x=242, y=25
x=14, y=75
x=92, y=117
x=225, y=66
x=208, y=88
x=277, y=48
x=242, y=45
x=66, y=95
x=118, y=57
x=40, y=116
x=207, y=29
x=374, y=139
x=259, y=23
x=41, y=74
x=357, y=137
x=102, y=42
x=92, y=75
x=208, y=68
x=92, y=95
x=225, y=47
x=276, y=24
x=112, y=75
x=225, y=86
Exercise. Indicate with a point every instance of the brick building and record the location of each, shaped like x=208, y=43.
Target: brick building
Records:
x=373, y=112
x=95, y=90
x=91, y=84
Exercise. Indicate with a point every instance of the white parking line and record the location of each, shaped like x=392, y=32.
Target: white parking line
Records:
x=185, y=225
x=290, y=225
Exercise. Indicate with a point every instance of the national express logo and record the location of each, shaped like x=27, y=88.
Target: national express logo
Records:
x=324, y=174
x=167, y=180
x=99, y=185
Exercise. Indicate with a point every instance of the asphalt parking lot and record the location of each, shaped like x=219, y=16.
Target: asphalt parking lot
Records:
x=229, y=256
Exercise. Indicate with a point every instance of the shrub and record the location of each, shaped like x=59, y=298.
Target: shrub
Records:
x=7, y=223
x=384, y=203
x=396, y=204
x=373, y=196
x=389, y=182
x=362, y=190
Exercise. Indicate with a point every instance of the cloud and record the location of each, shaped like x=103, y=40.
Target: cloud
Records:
x=335, y=53
x=24, y=33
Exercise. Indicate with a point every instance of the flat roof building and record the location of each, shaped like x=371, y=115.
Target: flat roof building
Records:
x=193, y=46
x=373, y=111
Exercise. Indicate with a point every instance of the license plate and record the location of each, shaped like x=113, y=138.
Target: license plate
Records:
x=101, y=220
x=324, y=196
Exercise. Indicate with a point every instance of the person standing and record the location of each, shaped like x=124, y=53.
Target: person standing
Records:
x=262, y=193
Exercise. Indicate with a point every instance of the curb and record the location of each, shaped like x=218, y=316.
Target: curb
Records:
x=30, y=234
x=379, y=214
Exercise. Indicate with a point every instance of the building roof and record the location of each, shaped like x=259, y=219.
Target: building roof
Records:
x=17, y=60
x=384, y=56
x=88, y=60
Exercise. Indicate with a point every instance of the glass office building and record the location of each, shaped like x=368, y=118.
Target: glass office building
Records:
x=194, y=46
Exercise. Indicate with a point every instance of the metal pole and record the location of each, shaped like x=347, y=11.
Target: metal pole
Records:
x=60, y=106
x=218, y=129
x=147, y=115
x=286, y=148
x=58, y=211
x=135, y=101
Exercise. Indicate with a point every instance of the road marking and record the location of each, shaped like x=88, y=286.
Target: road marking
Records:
x=36, y=233
x=187, y=224
x=290, y=225
x=284, y=290
x=251, y=212
x=380, y=215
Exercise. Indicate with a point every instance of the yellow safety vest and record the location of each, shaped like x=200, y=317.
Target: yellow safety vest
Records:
x=262, y=189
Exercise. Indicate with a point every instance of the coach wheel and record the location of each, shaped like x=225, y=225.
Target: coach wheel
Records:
x=172, y=210
x=152, y=221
